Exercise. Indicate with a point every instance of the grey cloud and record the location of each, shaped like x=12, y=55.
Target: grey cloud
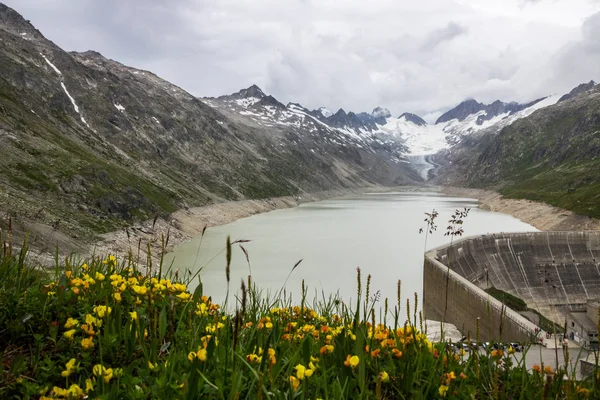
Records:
x=451, y=31
x=579, y=61
x=420, y=57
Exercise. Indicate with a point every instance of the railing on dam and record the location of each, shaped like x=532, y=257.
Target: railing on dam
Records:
x=546, y=269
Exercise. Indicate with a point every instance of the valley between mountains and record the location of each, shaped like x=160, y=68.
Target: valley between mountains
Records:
x=94, y=152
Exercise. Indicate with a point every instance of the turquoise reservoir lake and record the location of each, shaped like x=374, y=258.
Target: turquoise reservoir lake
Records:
x=378, y=232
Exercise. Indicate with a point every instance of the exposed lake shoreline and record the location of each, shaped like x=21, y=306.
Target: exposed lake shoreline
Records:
x=185, y=224
x=540, y=215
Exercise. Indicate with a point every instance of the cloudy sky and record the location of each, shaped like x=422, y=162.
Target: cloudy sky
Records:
x=420, y=56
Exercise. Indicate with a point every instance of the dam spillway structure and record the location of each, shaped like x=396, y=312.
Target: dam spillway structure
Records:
x=557, y=275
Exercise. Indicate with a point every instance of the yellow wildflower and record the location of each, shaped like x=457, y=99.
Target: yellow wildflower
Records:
x=184, y=296
x=99, y=277
x=117, y=297
x=384, y=376
x=253, y=358
x=88, y=329
x=202, y=353
x=102, y=311
x=60, y=392
x=141, y=290
x=87, y=343
x=69, y=368
x=351, y=361
x=272, y=358
x=202, y=310
x=100, y=371
x=449, y=377
x=582, y=391
x=69, y=334
x=191, y=356
x=108, y=374
x=75, y=391
x=91, y=320
x=179, y=287
x=71, y=323
x=442, y=390
x=269, y=325
x=303, y=372
x=89, y=386
x=294, y=382
x=133, y=315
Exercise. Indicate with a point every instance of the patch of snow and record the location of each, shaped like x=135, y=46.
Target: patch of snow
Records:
x=51, y=65
x=247, y=102
x=325, y=112
x=24, y=34
x=420, y=140
x=74, y=104
x=119, y=107
x=156, y=120
x=220, y=122
x=70, y=97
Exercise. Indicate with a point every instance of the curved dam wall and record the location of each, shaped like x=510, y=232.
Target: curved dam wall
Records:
x=553, y=272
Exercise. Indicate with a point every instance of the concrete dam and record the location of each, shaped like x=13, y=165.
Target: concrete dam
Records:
x=555, y=273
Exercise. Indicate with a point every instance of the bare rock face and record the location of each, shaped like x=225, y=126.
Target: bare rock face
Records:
x=584, y=87
x=415, y=119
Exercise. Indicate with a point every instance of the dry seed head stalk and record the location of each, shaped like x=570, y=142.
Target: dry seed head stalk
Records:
x=385, y=308
x=228, y=258
x=416, y=302
x=373, y=319
x=359, y=290
x=244, y=295
x=399, y=297
x=368, y=287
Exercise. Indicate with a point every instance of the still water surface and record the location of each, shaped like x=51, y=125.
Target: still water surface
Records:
x=376, y=232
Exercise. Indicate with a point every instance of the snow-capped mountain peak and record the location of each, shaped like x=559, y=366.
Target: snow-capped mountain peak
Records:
x=408, y=134
x=414, y=118
x=245, y=97
x=325, y=112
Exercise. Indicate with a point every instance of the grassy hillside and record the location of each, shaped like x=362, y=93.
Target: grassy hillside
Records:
x=551, y=156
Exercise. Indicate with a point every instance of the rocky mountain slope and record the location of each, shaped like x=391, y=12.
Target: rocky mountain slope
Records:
x=553, y=155
x=88, y=145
